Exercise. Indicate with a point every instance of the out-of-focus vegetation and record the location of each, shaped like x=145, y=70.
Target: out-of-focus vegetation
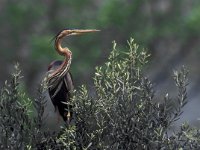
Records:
x=169, y=28
x=122, y=114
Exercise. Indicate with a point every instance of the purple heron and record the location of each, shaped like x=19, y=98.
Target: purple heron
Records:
x=60, y=83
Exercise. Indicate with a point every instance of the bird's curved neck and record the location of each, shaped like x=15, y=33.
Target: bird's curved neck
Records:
x=62, y=51
x=65, y=66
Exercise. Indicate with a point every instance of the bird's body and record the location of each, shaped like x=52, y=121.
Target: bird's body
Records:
x=61, y=93
x=60, y=84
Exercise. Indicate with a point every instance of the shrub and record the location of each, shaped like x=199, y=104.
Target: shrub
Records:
x=121, y=112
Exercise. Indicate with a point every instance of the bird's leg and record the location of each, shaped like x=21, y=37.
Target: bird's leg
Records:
x=68, y=117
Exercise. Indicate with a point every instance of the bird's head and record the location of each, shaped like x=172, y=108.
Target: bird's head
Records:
x=69, y=32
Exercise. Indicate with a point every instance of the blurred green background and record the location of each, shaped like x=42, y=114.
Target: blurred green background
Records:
x=169, y=29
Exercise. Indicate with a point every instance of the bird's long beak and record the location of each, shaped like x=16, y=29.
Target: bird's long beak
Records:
x=80, y=31
x=85, y=30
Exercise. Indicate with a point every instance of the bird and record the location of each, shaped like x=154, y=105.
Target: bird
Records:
x=59, y=79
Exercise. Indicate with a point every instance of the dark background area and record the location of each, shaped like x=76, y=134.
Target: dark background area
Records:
x=168, y=29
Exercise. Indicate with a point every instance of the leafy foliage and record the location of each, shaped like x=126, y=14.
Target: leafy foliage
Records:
x=14, y=115
x=121, y=112
x=124, y=113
